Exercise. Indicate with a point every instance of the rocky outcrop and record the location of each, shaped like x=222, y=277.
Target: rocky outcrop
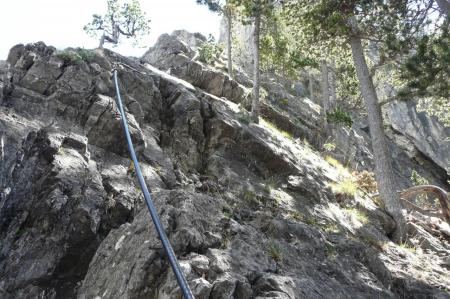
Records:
x=426, y=133
x=171, y=53
x=248, y=210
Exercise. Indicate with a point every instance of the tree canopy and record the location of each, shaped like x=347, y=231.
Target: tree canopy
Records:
x=125, y=19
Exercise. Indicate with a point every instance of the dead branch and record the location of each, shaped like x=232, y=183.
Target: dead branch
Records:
x=441, y=194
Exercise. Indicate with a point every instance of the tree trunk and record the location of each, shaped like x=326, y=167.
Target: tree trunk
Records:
x=256, y=83
x=229, y=41
x=310, y=86
x=444, y=6
x=325, y=90
x=383, y=164
x=102, y=41
x=333, y=97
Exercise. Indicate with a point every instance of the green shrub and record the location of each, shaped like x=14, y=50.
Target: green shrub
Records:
x=75, y=56
x=86, y=55
x=210, y=50
x=69, y=56
x=340, y=116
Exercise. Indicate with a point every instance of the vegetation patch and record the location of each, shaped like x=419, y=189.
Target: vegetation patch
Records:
x=408, y=247
x=365, y=180
x=251, y=197
x=244, y=118
x=274, y=251
x=361, y=216
x=331, y=228
x=277, y=129
x=329, y=147
x=296, y=215
x=372, y=241
x=73, y=57
x=346, y=187
x=210, y=50
x=330, y=251
x=340, y=116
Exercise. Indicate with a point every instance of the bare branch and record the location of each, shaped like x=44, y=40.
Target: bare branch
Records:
x=442, y=195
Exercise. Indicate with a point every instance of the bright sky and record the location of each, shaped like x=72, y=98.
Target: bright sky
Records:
x=60, y=22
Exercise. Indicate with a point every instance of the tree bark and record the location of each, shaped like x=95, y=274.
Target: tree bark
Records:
x=256, y=83
x=333, y=97
x=325, y=90
x=383, y=164
x=102, y=41
x=229, y=41
x=310, y=86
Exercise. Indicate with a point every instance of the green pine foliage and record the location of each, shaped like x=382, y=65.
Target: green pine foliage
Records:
x=210, y=50
x=339, y=116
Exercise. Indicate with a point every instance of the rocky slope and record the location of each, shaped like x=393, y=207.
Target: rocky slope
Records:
x=248, y=208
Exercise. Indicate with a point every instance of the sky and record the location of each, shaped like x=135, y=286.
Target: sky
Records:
x=59, y=23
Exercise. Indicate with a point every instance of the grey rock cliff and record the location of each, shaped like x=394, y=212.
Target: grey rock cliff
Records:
x=249, y=211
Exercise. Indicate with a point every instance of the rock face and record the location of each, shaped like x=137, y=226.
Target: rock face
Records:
x=428, y=135
x=247, y=209
x=171, y=53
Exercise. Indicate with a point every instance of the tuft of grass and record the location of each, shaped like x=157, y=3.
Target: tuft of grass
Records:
x=227, y=212
x=372, y=241
x=274, y=127
x=270, y=184
x=274, y=251
x=329, y=146
x=361, y=216
x=61, y=151
x=296, y=215
x=408, y=247
x=284, y=102
x=311, y=221
x=333, y=162
x=287, y=135
x=330, y=251
x=250, y=196
x=346, y=187
x=131, y=171
x=331, y=228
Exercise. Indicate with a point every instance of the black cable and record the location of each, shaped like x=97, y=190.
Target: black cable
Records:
x=151, y=207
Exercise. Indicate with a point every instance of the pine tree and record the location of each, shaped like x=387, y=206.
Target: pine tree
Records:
x=127, y=19
x=254, y=11
x=226, y=9
x=354, y=22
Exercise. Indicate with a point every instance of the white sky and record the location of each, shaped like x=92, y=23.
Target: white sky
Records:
x=60, y=23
